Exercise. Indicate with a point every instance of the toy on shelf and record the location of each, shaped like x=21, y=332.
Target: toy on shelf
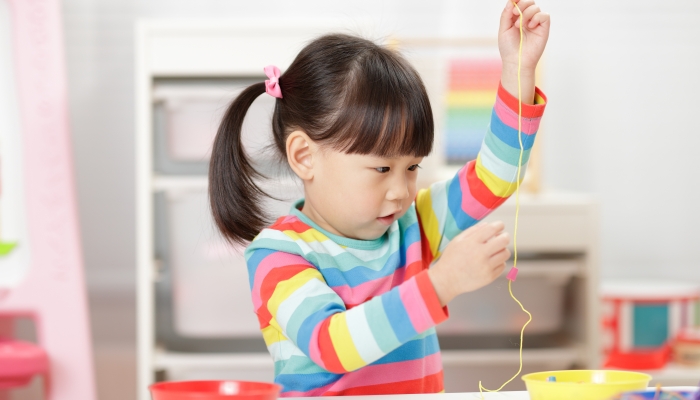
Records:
x=686, y=347
x=641, y=319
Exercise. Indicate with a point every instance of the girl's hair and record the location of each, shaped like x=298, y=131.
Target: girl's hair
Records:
x=344, y=92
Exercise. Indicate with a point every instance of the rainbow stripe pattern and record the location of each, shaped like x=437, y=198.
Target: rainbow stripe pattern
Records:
x=356, y=317
x=469, y=99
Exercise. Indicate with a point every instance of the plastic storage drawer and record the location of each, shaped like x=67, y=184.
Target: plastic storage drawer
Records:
x=491, y=310
x=187, y=114
x=203, y=289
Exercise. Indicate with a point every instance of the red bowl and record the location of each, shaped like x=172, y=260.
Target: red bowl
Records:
x=214, y=390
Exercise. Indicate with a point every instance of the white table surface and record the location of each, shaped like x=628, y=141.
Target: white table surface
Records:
x=464, y=396
x=441, y=396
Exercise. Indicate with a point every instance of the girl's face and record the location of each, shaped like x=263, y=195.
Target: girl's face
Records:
x=359, y=196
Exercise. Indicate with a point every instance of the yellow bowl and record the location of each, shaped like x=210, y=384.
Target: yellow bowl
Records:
x=583, y=384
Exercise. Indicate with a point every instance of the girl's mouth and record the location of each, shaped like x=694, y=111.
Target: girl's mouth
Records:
x=387, y=220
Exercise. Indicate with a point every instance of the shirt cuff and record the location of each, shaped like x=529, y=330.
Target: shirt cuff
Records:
x=437, y=312
x=529, y=110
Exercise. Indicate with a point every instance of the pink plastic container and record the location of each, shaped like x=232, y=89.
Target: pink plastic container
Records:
x=214, y=390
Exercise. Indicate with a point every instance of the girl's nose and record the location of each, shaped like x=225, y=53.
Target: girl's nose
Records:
x=398, y=190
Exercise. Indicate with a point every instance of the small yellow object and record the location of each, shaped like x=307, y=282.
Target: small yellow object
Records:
x=6, y=248
x=658, y=391
x=583, y=384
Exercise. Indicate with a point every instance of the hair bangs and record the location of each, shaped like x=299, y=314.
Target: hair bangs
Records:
x=386, y=113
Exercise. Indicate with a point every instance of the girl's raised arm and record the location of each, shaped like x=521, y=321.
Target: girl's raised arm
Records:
x=450, y=207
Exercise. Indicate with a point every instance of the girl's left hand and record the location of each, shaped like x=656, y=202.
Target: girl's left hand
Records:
x=535, y=34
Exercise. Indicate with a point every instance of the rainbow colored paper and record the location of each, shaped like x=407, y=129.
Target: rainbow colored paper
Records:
x=472, y=86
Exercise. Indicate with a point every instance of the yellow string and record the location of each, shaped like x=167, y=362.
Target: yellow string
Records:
x=482, y=389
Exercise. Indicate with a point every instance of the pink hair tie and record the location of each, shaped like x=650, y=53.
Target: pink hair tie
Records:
x=272, y=85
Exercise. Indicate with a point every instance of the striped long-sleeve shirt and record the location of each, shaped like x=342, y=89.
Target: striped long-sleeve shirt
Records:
x=354, y=317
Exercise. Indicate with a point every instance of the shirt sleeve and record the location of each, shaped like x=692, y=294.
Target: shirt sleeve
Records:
x=449, y=207
x=295, y=304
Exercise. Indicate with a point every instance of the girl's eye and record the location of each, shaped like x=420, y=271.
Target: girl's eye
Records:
x=382, y=170
x=413, y=167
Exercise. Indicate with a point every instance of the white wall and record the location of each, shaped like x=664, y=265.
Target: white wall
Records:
x=622, y=122
x=623, y=84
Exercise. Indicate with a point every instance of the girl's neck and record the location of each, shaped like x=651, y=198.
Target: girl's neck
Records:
x=308, y=210
x=303, y=209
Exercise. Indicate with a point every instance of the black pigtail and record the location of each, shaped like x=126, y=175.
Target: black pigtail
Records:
x=235, y=199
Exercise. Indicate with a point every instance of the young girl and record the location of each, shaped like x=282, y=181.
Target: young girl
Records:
x=349, y=287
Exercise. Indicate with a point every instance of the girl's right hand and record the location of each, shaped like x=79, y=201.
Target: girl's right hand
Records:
x=473, y=259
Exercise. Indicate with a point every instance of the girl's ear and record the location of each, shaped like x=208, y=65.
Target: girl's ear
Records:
x=300, y=152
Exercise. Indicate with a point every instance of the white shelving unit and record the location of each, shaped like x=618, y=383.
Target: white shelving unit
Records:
x=550, y=224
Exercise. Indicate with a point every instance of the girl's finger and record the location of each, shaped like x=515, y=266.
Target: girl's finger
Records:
x=507, y=17
x=498, y=270
x=529, y=13
x=540, y=18
x=509, y=6
x=475, y=228
x=522, y=5
x=488, y=231
x=499, y=258
x=497, y=244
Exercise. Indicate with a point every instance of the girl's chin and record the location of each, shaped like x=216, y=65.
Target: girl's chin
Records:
x=373, y=233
